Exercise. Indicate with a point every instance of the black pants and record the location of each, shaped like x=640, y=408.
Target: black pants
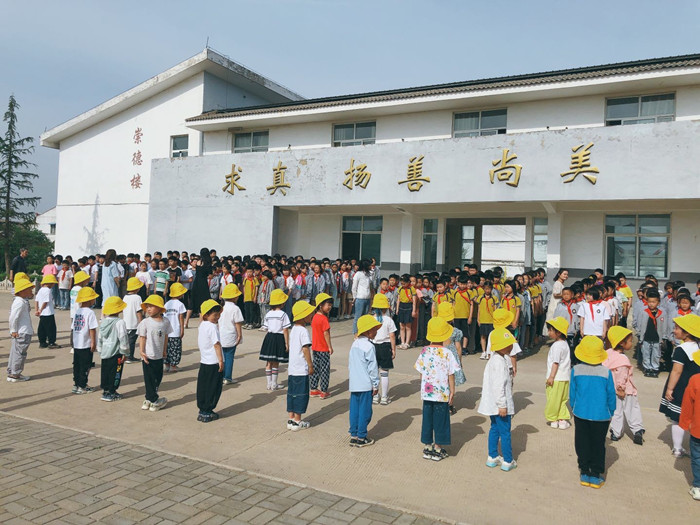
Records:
x=209, y=382
x=589, y=440
x=249, y=310
x=47, y=330
x=133, y=337
x=82, y=363
x=109, y=382
x=152, y=376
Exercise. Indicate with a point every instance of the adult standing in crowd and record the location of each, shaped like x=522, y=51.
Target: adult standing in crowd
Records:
x=200, y=287
x=110, y=276
x=559, y=280
x=19, y=263
x=361, y=292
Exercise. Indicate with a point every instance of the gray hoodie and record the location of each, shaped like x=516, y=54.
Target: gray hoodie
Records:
x=112, y=338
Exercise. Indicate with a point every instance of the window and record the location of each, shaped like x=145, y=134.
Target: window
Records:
x=248, y=142
x=468, y=241
x=637, y=245
x=480, y=123
x=178, y=145
x=640, y=110
x=362, y=238
x=52, y=228
x=539, y=242
x=354, y=134
x=430, y=229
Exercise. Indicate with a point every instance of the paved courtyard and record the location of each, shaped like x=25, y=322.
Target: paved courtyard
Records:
x=113, y=461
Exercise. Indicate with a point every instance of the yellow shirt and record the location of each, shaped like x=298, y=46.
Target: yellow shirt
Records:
x=626, y=291
x=535, y=291
x=440, y=298
x=463, y=304
x=249, y=289
x=406, y=295
x=511, y=303
x=486, y=307
x=499, y=288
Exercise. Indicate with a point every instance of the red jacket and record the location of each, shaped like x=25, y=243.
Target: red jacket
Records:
x=690, y=409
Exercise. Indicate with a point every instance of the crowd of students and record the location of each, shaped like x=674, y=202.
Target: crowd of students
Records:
x=448, y=315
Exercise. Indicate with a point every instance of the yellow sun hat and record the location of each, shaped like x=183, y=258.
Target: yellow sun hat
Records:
x=113, y=305
x=80, y=277
x=231, y=291
x=366, y=323
x=177, y=290
x=690, y=323
x=617, y=334
x=134, y=283
x=20, y=275
x=590, y=350
x=380, y=302
x=155, y=300
x=560, y=324
x=22, y=284
x=278, y=297
x=502, y=318
x=208, y=305
x=301, y=310
x=439, y=330
x=500, y=339
x=86, y=294
x=446, y=311
x=321, y=297
x=49, y=279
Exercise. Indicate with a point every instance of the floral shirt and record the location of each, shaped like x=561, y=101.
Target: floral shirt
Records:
x=436, y=364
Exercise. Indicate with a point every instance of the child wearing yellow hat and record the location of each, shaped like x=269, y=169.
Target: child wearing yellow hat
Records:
x=619, y=340
x=690, y=421
x=364, y=380
x=211, y=362
x=133, y=314
x=230, y=329
x=437, y=366
x=275, y=346
x=175, y=314
x=153, y=344
x=113, y=346
x=321, y=346
x=21, y=330
x=497, y=400
x=384, y=345
x=45, y=312
x=558, y=375
x=592, y=395
x=687, y=330
x=447, y=312
x=300, y=366
x=84, y=340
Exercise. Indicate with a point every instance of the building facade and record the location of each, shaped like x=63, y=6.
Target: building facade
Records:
x=583, y=168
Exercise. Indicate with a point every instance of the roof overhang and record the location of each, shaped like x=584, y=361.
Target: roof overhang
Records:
x=208, y=60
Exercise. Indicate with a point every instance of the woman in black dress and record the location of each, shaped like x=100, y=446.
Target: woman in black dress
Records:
x=200, y=287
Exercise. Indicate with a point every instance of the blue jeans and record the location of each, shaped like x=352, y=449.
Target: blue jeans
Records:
x=360, y=413
x=361, y=308
x=500, y=429
x=695, y=460
x=436, y=422
x=64, y=298
x=229, y=353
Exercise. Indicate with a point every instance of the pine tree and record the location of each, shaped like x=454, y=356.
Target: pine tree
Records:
x=15, y=183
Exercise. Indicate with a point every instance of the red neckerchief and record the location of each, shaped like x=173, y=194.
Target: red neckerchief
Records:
x=568, y=307
x=392, y=288
x=487, y=304
x=226, y=281
x=467, y=298
x=590, y=305
x=409, y=296
x=264, y=286
x=653, y=316
x=383, y=292
x=440, y=297
x=684, y=312
x=623, y=286
x=508, y=300
x=63, y=274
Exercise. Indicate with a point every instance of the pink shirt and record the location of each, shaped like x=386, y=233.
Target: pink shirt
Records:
x=621, y=368
x=49, y=269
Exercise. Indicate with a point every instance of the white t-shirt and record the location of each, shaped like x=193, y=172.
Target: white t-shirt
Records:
x=83, y=321
x=155, y=331
x=73, y=296
x=559, y=353
x=207, y=337
x=145, y=278
x=298, y=339
x=388, y=327
x=133, y=305
x=173, y=309
x=44, y=295
x=64, y=279
x=225, y=279
x=230, y=315
x=594, y=317
x=276, y=321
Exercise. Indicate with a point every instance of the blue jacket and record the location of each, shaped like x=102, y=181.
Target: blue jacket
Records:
x=362, y=365
x=592, y=392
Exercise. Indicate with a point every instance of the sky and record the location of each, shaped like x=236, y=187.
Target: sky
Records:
x=60, y=59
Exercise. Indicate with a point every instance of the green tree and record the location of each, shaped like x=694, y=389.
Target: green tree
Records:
x=16, y=205
x=38, y=244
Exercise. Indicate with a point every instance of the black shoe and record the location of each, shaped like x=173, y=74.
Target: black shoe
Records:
x=647, y=373
x=439, y=455
x=428, y=453
x=613, y=437
x=213, y=415
x=43, y=346
x=365, y=442
x=453, y=410
x=639, y=437
x=353, y=442
x=655, y=373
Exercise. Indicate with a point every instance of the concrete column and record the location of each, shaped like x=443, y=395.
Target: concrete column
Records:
x=441, y=239
x=529, y=234
x=411, y=234
x=554, y=231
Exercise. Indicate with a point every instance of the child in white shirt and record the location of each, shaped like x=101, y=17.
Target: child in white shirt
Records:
x=558, y=375
x=21, y=330
x=594, y=314
x=153, y=343
x=300, y=366
x=45, y=312
x=84, y=340
x=230, y=329
x=175, y=314
x=133, y=314
x=211, y=362
x=384, y=346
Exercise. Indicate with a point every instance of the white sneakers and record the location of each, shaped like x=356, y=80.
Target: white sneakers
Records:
x=679, y=452
x=564, y=424
x=695, y=492
x=17, y=378
x=160, y=403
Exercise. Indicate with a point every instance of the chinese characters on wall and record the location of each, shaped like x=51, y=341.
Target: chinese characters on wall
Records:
x=358, y=175
x=137, y=160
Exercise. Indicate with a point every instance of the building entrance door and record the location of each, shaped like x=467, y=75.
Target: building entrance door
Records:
x=487, y=243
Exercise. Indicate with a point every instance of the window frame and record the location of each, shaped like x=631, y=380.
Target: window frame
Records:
x=480, y=129
x=251, y=133
x=173, y=151
x=637, y=236
x=363, y=142
x=362, y=232
x=537, y=264
x=639, y=116
x=427, y=234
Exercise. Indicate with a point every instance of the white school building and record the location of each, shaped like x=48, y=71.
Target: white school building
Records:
x=582, y=168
